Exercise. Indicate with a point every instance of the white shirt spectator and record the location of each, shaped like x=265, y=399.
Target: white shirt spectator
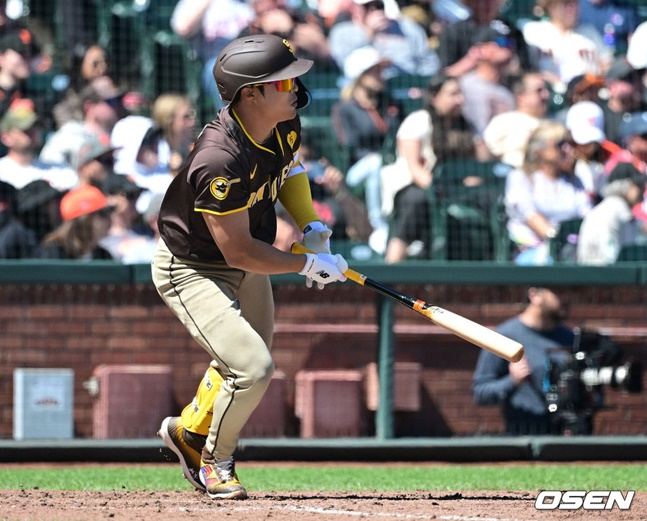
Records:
x=607, y=227
x=58, y=176
x=130, y=135
x=415, y=127
x=567, y=54
x=558, y=200
x=637, y=51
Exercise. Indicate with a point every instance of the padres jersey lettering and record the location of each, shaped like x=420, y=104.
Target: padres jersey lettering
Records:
x=227, y=172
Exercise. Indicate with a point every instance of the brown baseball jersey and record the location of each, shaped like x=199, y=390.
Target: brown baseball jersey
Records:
x=226, y=172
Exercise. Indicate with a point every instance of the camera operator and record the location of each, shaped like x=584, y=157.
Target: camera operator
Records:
x=519, y=387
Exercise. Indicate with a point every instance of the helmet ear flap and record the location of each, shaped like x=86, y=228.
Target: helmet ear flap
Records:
x=304, y=98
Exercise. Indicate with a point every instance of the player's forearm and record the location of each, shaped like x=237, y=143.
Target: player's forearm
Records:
x=262, y=258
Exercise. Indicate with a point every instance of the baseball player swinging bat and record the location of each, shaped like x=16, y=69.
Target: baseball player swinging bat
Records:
x=475, y=333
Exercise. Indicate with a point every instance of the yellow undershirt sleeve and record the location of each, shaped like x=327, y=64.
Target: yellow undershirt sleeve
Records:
x=295, y=196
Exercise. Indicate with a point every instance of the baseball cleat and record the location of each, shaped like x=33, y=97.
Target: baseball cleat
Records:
x=221, y=481
x=171, y=433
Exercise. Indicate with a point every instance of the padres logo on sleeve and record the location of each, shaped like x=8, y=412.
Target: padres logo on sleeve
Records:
x=220, y=187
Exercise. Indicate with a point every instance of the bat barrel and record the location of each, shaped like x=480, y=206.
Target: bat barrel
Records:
x=479, y=335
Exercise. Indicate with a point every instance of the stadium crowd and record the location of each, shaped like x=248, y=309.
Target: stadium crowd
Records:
x=551, y=96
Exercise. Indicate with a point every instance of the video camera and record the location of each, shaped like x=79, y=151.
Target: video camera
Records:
x=574, y=388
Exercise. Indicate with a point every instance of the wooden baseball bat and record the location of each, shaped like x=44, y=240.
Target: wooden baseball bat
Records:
x=477, y=334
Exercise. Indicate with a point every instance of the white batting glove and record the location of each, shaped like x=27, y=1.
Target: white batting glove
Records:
x=324, y=268
x=316, y=237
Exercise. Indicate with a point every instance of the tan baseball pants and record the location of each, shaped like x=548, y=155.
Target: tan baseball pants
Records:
x=230, y=313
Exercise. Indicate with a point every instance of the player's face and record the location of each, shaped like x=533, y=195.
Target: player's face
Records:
x=279, y=100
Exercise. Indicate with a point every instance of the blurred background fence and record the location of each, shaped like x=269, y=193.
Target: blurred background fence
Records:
x=133, y=363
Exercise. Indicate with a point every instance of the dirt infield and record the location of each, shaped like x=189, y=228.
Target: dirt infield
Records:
x=32, y=505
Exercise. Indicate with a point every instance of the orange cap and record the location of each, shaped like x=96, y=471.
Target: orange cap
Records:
x=81, y=201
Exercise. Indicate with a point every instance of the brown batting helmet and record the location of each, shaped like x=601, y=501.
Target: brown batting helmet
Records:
x=258, y=59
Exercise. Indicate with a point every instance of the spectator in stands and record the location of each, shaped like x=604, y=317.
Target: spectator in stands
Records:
x=483, y=88
x=78, y=33
x=399, y=39
x=39, y=207
x=86, y=220
x=610, y=225
x=614, y=20
x=95, y=161
x=138, y=138
x=583, y=87
x=122, y=237
x=457, y=50
x=209, y=25
x=542, y=193
x=305, y=31
x=18, y=49
x=425, y=138
x=87, y=67
x=519, y=387
x=340, y=210
x=418, y=11
x=633, y=137
x=334, y=11
x=506, y=135
x=633, y=133
x=626, y=90
x=7, y=23
x=16, y=240
x=563, y=48
x=142, y=252
x=637, y=50
x=89, y=64
x=175, y=116
x=585, y=121
x=363, y=119
x=102, y=107
x=93, y=65
x=20, y=133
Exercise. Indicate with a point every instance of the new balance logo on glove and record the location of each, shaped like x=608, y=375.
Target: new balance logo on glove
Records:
x=324, y=268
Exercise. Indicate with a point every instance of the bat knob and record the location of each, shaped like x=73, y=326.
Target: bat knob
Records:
x=517, y=356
